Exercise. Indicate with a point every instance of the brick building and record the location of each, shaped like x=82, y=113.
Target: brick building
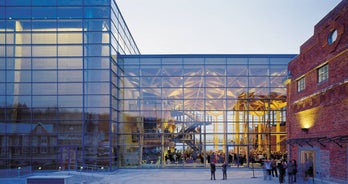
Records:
x=317, y=115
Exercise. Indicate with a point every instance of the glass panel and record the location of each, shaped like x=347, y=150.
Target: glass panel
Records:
x=194, y=70
x=2, y=88
x=150, y=81
x=96, y=37
x=70, y=113
x=215, y=70
x=97, y=2
x=172, y=61
x=43, y=12
x=69, y=2
x=258, y=70
x=44, y=101
x=43, y=25
x=70, y=76
x=151, y=70
x=172, y=82
x=70, y=63
x=283, y=61
x=18, y=88
x=172, y=70
x=69, y=25
x=278, y=70
x=242, y=61
x=96, y=12
x=17, y=2
x=18, y=12
x=97, y=101
x=70, y=38
x=131, y=70
x=45, y=76
x=19, y=64
x=44, y=88
x=215, y=61
x=2, y=51
x=18, y=76
x=43, y=3
x=259, y=61
x=237, y=81
x=97, y=50
x=97, y=63
x=213, y=82
x=70, y=101
x=44, y=63
x=69, y=88
x=258, y=81
x=97, y=75
x=194, y=61
x=237, y=70
x=44, y=51
x=21, y=38
x=70, y=50
x=2, y=64
x=277, y=82
x=22, y=51
x=2, y=16
x=69, y=12
x=103, y=88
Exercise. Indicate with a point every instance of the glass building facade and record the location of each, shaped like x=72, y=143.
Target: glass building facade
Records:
x=76, y=92
x=177, y=110
x=58, y=82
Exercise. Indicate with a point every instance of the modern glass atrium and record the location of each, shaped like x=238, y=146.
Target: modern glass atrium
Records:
x=176, y=110
x=75, y=93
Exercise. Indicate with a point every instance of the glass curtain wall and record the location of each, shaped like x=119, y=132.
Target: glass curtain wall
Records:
x=58, y=83
x=188, y=110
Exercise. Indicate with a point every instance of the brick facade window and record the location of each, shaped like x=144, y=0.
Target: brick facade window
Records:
x=323, y=73
x=301, y=84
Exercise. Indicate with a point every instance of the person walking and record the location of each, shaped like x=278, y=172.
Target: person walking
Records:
x=224, y=171
x=212, y=170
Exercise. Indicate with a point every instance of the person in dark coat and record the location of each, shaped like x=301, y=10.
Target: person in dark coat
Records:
x=212, y=170
x=281, y=168
x=224, y=171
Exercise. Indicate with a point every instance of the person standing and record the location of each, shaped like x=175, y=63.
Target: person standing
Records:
x=224, y=171
x=212, y=170
x=294, y=170
x=290, y=172
x=281, y=167
x=268, y=169
x=274, y=167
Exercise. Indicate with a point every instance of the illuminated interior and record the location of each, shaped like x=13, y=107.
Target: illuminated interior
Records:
x=197, y=109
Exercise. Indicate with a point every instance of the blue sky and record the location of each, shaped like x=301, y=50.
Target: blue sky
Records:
x=223, y=26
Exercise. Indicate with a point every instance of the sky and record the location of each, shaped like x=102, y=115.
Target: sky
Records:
x=223, y=26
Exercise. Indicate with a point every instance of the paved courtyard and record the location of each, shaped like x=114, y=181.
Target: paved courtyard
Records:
x=158, y=176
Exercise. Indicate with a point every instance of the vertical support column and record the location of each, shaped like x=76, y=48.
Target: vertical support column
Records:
x=216, y=138
x=259, y=136
x=237, y=128
x=224, y=140
x=277, y=130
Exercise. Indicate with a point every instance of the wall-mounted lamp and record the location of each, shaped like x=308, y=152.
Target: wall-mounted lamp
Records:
x=305, y=130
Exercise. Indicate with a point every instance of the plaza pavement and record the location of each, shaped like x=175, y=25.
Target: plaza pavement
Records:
x=158, y=176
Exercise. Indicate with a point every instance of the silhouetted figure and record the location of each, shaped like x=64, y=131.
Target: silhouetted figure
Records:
x=224, y=171
x=212, y=170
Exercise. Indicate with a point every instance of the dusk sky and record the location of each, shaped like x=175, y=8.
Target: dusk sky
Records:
x=223, y=26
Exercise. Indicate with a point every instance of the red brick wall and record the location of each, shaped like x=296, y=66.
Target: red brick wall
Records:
x=330, y=97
